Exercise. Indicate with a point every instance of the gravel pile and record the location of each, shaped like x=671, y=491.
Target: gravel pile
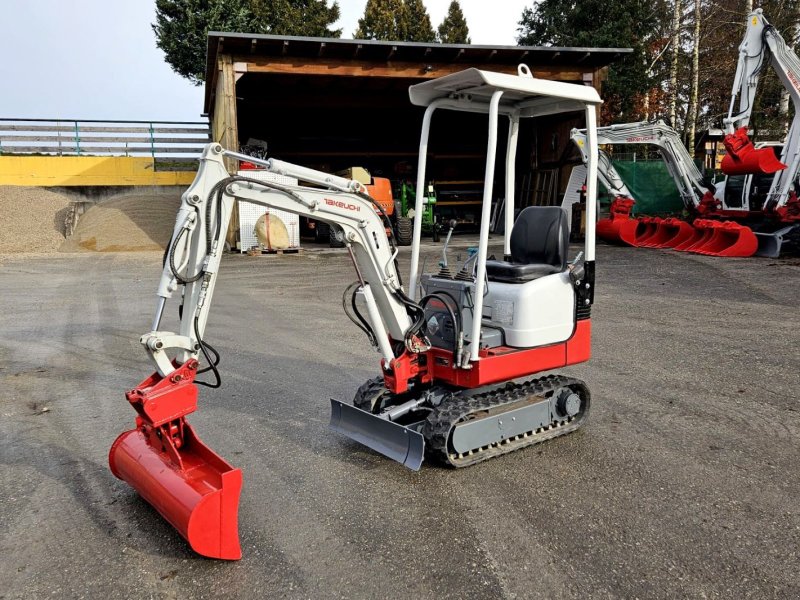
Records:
x=127, y=223
x=31, y=219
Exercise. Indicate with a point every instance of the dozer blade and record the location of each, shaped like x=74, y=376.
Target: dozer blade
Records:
x=393, y=440
x=727, y=239
x=744, y=159
x=199, y=496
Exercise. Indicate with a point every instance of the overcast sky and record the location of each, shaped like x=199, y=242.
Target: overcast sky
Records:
x=97, y=59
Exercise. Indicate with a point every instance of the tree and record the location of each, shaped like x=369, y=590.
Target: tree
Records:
x=384, y=20
x=604, y=23
x=673, y=66
x=453, y=29
x=311, y=18
x=419, y=23
x=181, y=26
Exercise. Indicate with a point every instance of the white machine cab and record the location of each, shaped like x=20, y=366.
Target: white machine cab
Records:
x=534, y=269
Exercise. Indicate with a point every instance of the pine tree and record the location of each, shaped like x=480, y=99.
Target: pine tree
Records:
x=419, y=23
x=182, y=25
x=453, y=29
x=296, y=17
x=603, y=23
x=384, y=20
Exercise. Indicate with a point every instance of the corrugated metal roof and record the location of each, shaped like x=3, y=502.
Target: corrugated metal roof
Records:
x=471, y=55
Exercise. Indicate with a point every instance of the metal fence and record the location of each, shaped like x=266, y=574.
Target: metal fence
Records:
x=172, y=144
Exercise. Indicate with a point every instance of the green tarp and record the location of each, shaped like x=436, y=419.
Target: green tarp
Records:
x=651, y=185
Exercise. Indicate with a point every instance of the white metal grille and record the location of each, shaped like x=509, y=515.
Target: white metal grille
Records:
x=249, y=213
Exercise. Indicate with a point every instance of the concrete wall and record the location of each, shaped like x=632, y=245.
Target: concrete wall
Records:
x=48, y=171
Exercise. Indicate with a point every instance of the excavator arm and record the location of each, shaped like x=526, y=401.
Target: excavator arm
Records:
x=694, y=191
x=162, y=458
x=763, y=45
x=193, y=257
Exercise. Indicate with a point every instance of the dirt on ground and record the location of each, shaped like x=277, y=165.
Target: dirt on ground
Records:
x=132, y=222
x=32, y=219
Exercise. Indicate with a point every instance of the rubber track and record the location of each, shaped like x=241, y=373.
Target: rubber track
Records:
x=440, y=423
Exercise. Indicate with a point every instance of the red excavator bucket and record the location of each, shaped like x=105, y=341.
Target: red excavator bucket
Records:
x=619, y=227
x=669, y=233
x=743, y=158
x=646, y=230
x=699, y=237
x=726, y=239
x=192, y=487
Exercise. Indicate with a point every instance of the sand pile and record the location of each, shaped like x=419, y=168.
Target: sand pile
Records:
x=126, y=223
x=31, y=219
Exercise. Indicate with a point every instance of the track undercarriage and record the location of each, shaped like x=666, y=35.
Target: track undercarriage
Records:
x=463, y=427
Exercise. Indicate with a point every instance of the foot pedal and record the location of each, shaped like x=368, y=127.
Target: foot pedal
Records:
x=393, y=440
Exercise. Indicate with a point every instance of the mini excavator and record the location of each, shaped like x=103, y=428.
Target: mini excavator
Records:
x=461, y=352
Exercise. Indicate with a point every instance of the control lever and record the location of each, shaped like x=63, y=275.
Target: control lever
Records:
x=452, y=225
x=576, y=270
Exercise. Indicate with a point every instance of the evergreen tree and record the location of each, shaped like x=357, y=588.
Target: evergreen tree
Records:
x=384, y=20
x=609, y=24
x=419, y=23
x=182, y=25
x=453, y=29
x=296, y=17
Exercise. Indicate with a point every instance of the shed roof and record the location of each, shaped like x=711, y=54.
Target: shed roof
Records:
x=378, y=51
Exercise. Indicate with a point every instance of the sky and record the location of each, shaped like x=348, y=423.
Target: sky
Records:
x=97, y=59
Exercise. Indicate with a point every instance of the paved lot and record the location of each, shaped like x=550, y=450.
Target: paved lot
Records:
x=684, y=483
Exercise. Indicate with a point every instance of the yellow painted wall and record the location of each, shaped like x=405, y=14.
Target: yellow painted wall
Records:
x=86, y=170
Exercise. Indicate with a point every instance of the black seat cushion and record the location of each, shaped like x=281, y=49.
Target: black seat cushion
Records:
x=539, y=246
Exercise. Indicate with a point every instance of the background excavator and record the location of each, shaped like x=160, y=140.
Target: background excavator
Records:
x=700, y=197
x=459, y=350
x=733, y=217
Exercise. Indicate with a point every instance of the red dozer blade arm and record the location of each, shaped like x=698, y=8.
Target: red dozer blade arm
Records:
x=191, y=486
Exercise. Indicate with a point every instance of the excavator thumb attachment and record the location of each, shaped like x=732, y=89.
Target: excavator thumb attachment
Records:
x=743, y=158
x=393, y=440
x=191, y=486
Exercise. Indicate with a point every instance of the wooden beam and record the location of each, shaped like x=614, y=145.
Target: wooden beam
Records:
x=296, y=65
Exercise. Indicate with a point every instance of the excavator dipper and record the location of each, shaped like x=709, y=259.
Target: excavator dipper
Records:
x=459, y=351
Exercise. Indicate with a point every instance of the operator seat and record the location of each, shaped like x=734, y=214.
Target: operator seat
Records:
x=539, y=246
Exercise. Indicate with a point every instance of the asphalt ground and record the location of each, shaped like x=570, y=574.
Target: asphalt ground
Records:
x=683, y=483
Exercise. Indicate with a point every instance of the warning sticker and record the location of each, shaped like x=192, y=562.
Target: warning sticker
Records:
x=503, y=312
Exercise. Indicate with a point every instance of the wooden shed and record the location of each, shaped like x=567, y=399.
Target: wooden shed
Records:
x=335, y=103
